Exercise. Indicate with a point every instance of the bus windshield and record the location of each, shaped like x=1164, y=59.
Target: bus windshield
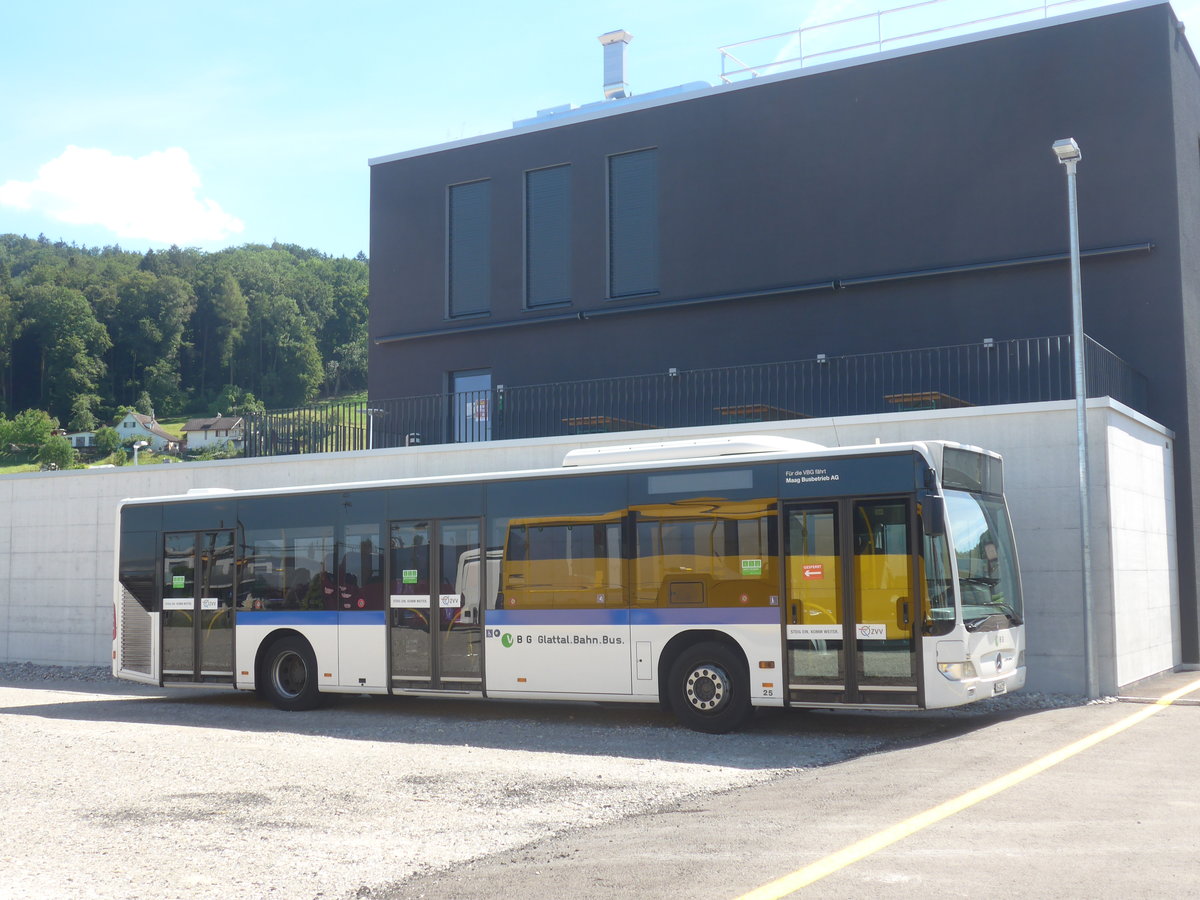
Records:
x=987, y=561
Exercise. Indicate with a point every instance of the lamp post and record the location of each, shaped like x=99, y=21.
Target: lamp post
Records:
x=138, y=445
x=371, y=414
x=1067, y=152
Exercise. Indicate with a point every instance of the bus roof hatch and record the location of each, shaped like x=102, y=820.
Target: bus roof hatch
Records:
x=694, y=449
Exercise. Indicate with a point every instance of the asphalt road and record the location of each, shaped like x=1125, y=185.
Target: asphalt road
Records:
x=1118, y=819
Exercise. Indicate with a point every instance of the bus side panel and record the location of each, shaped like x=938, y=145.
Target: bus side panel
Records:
x=319, y=628
x=559, y=651
x=756, y=631
x=362, y=649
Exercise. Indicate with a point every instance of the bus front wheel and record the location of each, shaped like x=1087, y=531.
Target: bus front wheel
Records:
x=709, y=688
x=290, y=675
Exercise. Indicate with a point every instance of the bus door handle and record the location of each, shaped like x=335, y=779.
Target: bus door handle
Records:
x=794, y=622
x=904, y=619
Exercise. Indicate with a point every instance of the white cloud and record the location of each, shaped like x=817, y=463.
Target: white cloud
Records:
x=154, y=197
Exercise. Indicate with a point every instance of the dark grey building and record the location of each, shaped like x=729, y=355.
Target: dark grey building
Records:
x=896, y=202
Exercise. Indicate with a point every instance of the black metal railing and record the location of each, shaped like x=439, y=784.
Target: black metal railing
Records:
x=1026, y=370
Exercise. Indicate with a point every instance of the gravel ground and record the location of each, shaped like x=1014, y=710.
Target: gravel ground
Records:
x=117, y=790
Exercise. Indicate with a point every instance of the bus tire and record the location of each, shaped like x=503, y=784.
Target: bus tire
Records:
x=290, y=674
x=708, y=688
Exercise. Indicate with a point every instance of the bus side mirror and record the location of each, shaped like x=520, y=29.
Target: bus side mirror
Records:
x=933, y=512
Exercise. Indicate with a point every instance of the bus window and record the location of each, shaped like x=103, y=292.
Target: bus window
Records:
x=882, y=591
x=554, y=563
x=939, y=586
x=360, y=570
x=987, y=562
x=714, y=553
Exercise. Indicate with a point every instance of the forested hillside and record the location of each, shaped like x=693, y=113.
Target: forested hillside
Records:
x=87, y=332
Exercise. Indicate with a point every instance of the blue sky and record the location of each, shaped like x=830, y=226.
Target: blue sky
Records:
x=221, y=123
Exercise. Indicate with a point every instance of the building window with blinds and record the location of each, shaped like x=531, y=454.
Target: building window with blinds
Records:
x=548, y=236
x=633, y=223
x=469, y=249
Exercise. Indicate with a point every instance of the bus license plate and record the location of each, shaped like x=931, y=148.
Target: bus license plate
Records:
x=1000, y=687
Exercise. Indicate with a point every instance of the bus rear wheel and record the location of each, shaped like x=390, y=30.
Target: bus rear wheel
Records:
x=708, y=689
x=290, y=675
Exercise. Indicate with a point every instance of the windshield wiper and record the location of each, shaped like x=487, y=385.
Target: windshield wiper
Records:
x=1002, y=609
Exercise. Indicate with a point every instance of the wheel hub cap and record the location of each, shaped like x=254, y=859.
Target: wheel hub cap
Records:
x=706, y=687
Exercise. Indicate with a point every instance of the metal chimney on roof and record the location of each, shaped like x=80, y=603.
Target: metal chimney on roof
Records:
x=614, y=43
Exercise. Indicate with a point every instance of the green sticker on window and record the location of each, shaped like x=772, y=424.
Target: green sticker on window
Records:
x=409, y=576
x=178, y=582
x=751, y=567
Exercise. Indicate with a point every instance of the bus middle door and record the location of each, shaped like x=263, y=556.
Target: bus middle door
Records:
x=197, y=606
x=434, y=616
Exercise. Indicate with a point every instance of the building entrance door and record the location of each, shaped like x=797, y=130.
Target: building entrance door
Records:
x=199, y=586
x=434, y=615
x=471, y=405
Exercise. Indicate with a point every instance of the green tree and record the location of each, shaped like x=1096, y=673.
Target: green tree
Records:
x=83, y=417
x=233, y=401
x=56, y=453
x=8, y=334
x=152, y=313
x=249, y=404
x=348, y=367
x=217, y=327
x=176, y=324
x=62, y=344
x=289, y=370
x=31, y=427
x=107, y=441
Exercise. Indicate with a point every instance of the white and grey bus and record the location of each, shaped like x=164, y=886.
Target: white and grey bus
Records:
x=710, y=576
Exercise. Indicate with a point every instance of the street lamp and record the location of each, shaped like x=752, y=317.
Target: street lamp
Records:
x=1067, y=152
x=138, y=445
x=371, y=414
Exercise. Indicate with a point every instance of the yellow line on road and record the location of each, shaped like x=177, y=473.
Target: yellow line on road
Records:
x=788, y=884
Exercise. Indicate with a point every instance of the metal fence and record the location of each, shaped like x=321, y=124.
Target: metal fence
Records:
x=1026, y=370
x=875, y=32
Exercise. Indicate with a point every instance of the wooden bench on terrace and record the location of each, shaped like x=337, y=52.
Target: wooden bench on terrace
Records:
x=925, y=400
x=757, y=412
x=601, y=424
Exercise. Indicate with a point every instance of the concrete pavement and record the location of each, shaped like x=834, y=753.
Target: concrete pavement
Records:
x=1120, y=818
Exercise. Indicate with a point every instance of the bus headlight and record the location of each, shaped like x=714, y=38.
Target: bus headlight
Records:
x=958, y=671
x=1021, y=660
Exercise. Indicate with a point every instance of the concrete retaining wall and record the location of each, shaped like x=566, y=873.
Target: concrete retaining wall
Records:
x=57, y=529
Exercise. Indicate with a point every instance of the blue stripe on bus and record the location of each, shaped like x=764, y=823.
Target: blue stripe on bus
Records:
x=753, y=615
x=758, y=615
x=762, y=615
x=557, y=617
x=362, y=617
x=278, y=618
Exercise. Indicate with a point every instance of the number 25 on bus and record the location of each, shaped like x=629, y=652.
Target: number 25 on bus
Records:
x=710, y=576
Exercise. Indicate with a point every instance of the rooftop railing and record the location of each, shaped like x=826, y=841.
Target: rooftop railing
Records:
x=888, y=29
x=1026, y=370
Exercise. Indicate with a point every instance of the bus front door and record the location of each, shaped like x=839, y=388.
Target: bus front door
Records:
x=850, y=606
x=434, y=607
x=199, y=571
